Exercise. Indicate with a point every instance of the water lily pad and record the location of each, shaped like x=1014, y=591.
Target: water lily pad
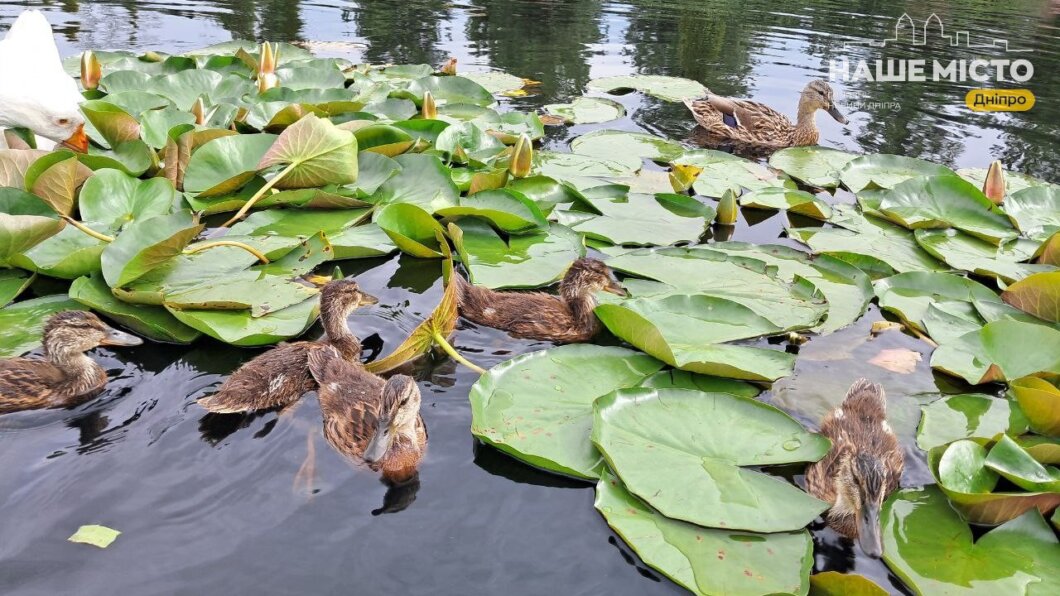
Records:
x=155, y=125
x=681, y=379
x=99, y=536
x=962, y=468
x=1000, y=350
x=314, y=152
x=1035, y=210
x=152, y=322
x=23, y=322
x=411, y=229
x=795, y=201
x=12, y=283
x=606, y=143
x=509, y=210
x=383, y=139
x=1040, y=401
x=587, y=110
x=702, y=560
x=813, y=166
x=452, y=89
x=886, y=171
x=56, y=178
x=146, y=244
x=663, y=87
x=67, y=255
x=726, y=172
x=239, y=328
x=968, y=416
x=118, y=199
x=686, y=453
x=521, y=261
x=1017, y=466
x=423, y=181
x=642, y=220
x=225, y=164
x=929, y=546
x=113, y=124
x=1014, y=181
x=971, y=254
x=247, y=290
x=563, y=166
x=361, y=242
x=25, y=222
x=292, y=222
x=496, y=81
x=944, y=202
x=537, y=407
x=1038, y=294
x=909, y=295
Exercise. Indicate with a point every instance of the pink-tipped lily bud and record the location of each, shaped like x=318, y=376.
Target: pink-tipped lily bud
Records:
x=994, y=185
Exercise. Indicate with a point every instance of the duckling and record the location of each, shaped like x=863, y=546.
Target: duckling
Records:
x=66, y=377
x=752, y=123
x=864, y=466
x=565, y=318
x=369, y=419
x=280, y=376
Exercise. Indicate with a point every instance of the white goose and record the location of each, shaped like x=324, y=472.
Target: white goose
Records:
x=35, y=91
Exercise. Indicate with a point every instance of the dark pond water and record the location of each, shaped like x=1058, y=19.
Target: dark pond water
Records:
x=210, y=504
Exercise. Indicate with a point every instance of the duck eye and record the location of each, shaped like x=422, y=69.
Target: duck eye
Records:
x=403, y=402
x=63, y=121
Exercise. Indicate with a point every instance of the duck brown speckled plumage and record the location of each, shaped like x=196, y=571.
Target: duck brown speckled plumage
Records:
x=66, y=376
x=369, y=419
x=864, y=466
x=280, y=376
x=756, y=124
x=565, y=318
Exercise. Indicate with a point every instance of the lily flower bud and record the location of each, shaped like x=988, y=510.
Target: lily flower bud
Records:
x=522, y=157
x=91, y=70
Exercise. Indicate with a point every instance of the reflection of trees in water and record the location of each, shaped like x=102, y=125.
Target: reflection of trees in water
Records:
x=402, y=32
x=546, y=41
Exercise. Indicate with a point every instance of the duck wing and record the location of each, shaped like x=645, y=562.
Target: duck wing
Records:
x=349, y=400
x=27, y=384
x=274, y=379
x=754, y=116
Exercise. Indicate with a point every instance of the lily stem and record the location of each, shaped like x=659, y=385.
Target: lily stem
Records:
x=449, y=349
x=927, y=339
x=86, y=229
x=258, y=195
x=208, y=245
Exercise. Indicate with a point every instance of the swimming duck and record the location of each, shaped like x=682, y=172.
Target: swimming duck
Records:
x=535, y=315
x=862, y=469
x=369, y=419
x=66, y=377
x=280, y=376
x=752, y=123
x=35, y=91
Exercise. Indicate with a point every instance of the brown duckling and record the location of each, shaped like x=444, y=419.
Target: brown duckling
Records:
x=369, y=419
x=67, y=376
x=862, y=469
x=565, y=318
x=752, y=123
x=280, y=376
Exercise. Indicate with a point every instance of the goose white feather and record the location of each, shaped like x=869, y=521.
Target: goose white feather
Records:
x=35, y=91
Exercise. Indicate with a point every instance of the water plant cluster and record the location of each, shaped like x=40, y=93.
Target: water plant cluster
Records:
x=221, y=185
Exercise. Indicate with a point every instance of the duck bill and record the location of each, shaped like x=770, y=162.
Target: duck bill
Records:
x=616, y=289
x=869, y=537
x=368, y=299
x=77, y=141
x=836, y=114
x=380, y=443
x=119, y=338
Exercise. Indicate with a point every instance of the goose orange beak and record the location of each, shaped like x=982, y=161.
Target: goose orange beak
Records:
x=77, y=141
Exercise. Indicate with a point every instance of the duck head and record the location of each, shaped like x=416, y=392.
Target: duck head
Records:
x=587, y=276
x=341, y=296
x=398, y=413
x=77, y=331
x=818, y=95
x=861, y=492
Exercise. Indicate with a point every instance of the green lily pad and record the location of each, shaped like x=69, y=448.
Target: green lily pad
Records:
x=146, y=244
x=468, y=140
x=606, y=143
x=886, y=171
x=909, y=295
x=423, y=181
x=56, y=178
x=411, y=229
x=67, y=255
x=971, y=254
x=132, y=157
x=453, y=89
x=1014, y=181
x=642, y=220
x=537, y=407
x=113, y=124
x=99, y=536
x=968, y=416
x=1038, y=294
x=23, y=322
x=686, y=454
x=587, y=110
x=314, y=152
x=224, y=165
x=152, y=322
x=12, y=283
x=118, y=199
x=962, y=468
x=247, y=290
x=944, y=202
x=155, y=125
x=813, y=166
x=383, y=139
x=563, y=166
x=946, y=321
x=682, y=379
x=929, y=546
x=726, y=172
x=1009, y=460
x=786, y=199
x=507, y=209
x=834, y=583
x=291, y=222
x=1040, y=401
x=25, y=222
x=703, y=560
x=663, y=87
x=361, y=242
x=1000, y=350
x=1035, y=210
x=239, y=328
x=496, y=81
x=523, y=261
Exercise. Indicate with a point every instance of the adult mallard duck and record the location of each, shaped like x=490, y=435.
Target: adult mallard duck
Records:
x=66, y=377
x=280, y=376
x=752, y=123
x=862, y=469
x=35, y=91
x=535, y=315
x=369, y=419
